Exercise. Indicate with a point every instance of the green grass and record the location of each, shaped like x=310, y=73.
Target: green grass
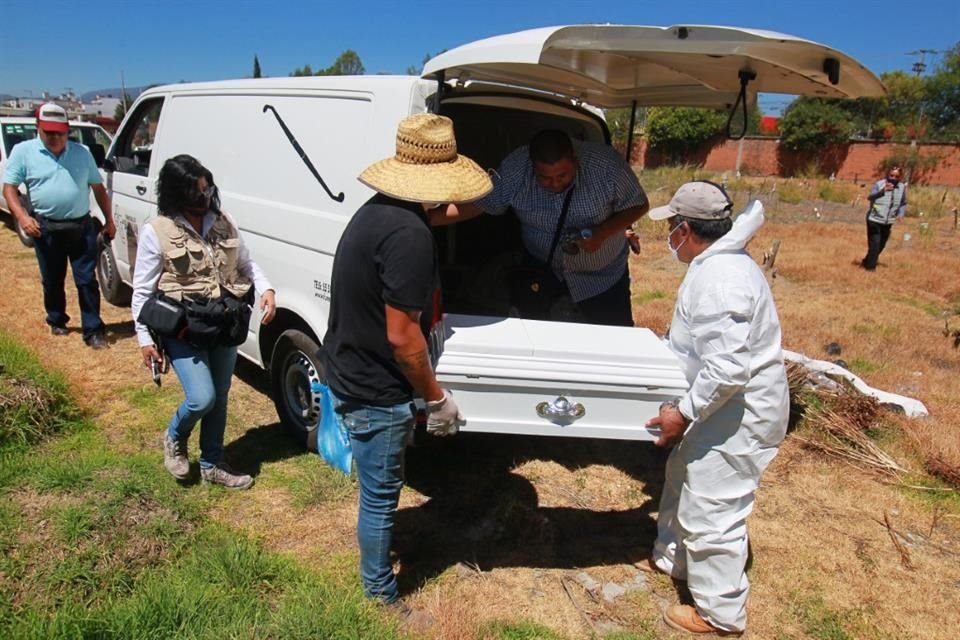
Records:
x=791, y=193
x=886, y=331
x=311, y=482
x=819, y=621
x=927, y=307
x=73, y=522
x=831, y=191
x=99, y=544
x=518, y=631
x=646, y=296
x=34, y=403
x=862, y=366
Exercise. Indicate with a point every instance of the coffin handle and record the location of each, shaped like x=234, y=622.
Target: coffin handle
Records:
x=561, y=409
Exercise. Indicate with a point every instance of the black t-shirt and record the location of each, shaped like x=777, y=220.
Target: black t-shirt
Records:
x=386, y=255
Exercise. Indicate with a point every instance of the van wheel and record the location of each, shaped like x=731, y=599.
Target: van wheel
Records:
x=113, y=289
x=26, y=240
x=294, y=366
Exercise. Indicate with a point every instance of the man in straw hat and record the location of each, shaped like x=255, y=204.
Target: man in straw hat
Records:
x=574, y=201
x=385, y=296
x=728, y=427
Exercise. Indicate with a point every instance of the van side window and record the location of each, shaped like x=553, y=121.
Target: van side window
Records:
x=135, y=141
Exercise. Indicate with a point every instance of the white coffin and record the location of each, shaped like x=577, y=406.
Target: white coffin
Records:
x=510, y=375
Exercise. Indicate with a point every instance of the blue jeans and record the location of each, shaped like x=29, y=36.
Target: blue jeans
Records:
x=378, y=438
x=79, y=247
x=205, y=376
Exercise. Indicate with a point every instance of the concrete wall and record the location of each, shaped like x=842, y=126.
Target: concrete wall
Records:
x=857, y=161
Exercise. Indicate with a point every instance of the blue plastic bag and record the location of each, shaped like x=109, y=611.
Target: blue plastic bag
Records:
x=333, y=442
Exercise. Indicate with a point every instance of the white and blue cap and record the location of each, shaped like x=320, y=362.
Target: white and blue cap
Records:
x=700, y=199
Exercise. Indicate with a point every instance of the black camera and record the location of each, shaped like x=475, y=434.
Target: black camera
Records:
x=569, y=240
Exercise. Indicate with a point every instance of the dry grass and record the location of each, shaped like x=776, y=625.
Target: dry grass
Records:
x=494, y=529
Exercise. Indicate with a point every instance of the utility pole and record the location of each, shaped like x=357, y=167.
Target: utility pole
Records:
x=921, y=65
x=123, y=95
x=918, y=68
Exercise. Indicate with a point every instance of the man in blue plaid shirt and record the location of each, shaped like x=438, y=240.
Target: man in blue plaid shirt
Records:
x=606, y=199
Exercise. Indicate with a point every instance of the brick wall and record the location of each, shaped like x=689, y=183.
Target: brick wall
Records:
x=858, y=161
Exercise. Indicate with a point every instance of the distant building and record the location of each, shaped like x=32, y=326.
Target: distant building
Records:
x=103, y=106
x=770, y=125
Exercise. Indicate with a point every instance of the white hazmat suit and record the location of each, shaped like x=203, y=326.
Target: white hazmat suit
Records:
x=726, y=333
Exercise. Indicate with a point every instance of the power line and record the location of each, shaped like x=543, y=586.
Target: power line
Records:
x=921, y=65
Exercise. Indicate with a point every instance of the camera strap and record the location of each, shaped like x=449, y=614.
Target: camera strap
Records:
x=560, y=221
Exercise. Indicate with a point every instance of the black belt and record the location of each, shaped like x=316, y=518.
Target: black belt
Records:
x=71, y=224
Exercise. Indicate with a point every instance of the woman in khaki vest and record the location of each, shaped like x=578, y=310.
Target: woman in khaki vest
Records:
x=192, y=252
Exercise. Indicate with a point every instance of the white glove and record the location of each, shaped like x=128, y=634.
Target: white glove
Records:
x=443, y=416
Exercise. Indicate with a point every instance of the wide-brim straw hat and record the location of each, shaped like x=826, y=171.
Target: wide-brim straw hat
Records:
x=426, y=167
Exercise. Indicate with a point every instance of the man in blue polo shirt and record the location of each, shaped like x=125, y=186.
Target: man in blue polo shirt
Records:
x=58, y=173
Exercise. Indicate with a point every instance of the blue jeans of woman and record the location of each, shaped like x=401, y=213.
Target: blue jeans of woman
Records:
x=378, y=438
x=205, y=376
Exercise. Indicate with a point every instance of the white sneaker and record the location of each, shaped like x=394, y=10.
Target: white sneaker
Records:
x=222, y=475
x=175, y=457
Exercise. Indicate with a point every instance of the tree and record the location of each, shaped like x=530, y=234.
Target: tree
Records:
x=810, y=124
x=256, y=67
x=675, y=131
x=347, y=64
x=618, y=121
x=942, y=105
x=122, y=106
x=305, y=70
x=895, y=115
x=414, y=70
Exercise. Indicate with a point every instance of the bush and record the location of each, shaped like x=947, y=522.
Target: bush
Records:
x=675, y=131
x=810, y=124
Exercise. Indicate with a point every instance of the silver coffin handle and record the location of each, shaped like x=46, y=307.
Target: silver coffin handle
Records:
x=561, y=409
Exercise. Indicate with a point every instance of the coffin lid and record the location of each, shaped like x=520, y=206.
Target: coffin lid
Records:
x=682, y=65
x=518, y=349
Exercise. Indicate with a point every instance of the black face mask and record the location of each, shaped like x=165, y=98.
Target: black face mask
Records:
x=893, y=181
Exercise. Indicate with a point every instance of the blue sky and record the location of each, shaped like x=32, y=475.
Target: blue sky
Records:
x=53, y=45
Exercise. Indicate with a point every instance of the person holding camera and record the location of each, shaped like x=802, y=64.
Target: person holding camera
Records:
x=578, y=197
x=191, y=290
x=59, y=175
x=888, y=203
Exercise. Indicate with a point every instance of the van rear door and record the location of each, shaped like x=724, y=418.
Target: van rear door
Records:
x=683, y=65
x=552, y=378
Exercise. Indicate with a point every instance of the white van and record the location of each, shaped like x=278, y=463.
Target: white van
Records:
x=286, y=153
x=17, y=129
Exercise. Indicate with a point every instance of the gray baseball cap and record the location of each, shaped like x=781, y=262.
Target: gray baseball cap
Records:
x=699, y=199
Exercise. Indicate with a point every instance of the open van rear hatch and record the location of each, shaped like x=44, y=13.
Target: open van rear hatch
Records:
x=620, y=65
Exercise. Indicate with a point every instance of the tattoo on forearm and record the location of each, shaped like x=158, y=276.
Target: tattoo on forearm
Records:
x=413, y=362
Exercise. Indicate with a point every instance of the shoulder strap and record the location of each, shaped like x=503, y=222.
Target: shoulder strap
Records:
x=560, y=221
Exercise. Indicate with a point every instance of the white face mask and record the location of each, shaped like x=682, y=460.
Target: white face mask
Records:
x=673, y=251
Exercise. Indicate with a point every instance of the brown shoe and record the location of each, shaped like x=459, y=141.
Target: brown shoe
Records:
x=647, y=565
x=683, y=617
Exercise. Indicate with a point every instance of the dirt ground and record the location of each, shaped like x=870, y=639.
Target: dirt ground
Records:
x=546, y=530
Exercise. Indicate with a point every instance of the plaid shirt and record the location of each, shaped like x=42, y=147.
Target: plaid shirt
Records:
x=605, y=184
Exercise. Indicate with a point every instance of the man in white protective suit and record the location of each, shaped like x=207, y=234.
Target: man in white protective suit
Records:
x=728, y=427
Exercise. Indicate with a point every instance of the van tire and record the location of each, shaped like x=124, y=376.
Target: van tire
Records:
x=113, y=289
x=294, y=366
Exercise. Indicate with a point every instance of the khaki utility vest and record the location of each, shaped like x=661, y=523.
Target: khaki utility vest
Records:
x=195, y=269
